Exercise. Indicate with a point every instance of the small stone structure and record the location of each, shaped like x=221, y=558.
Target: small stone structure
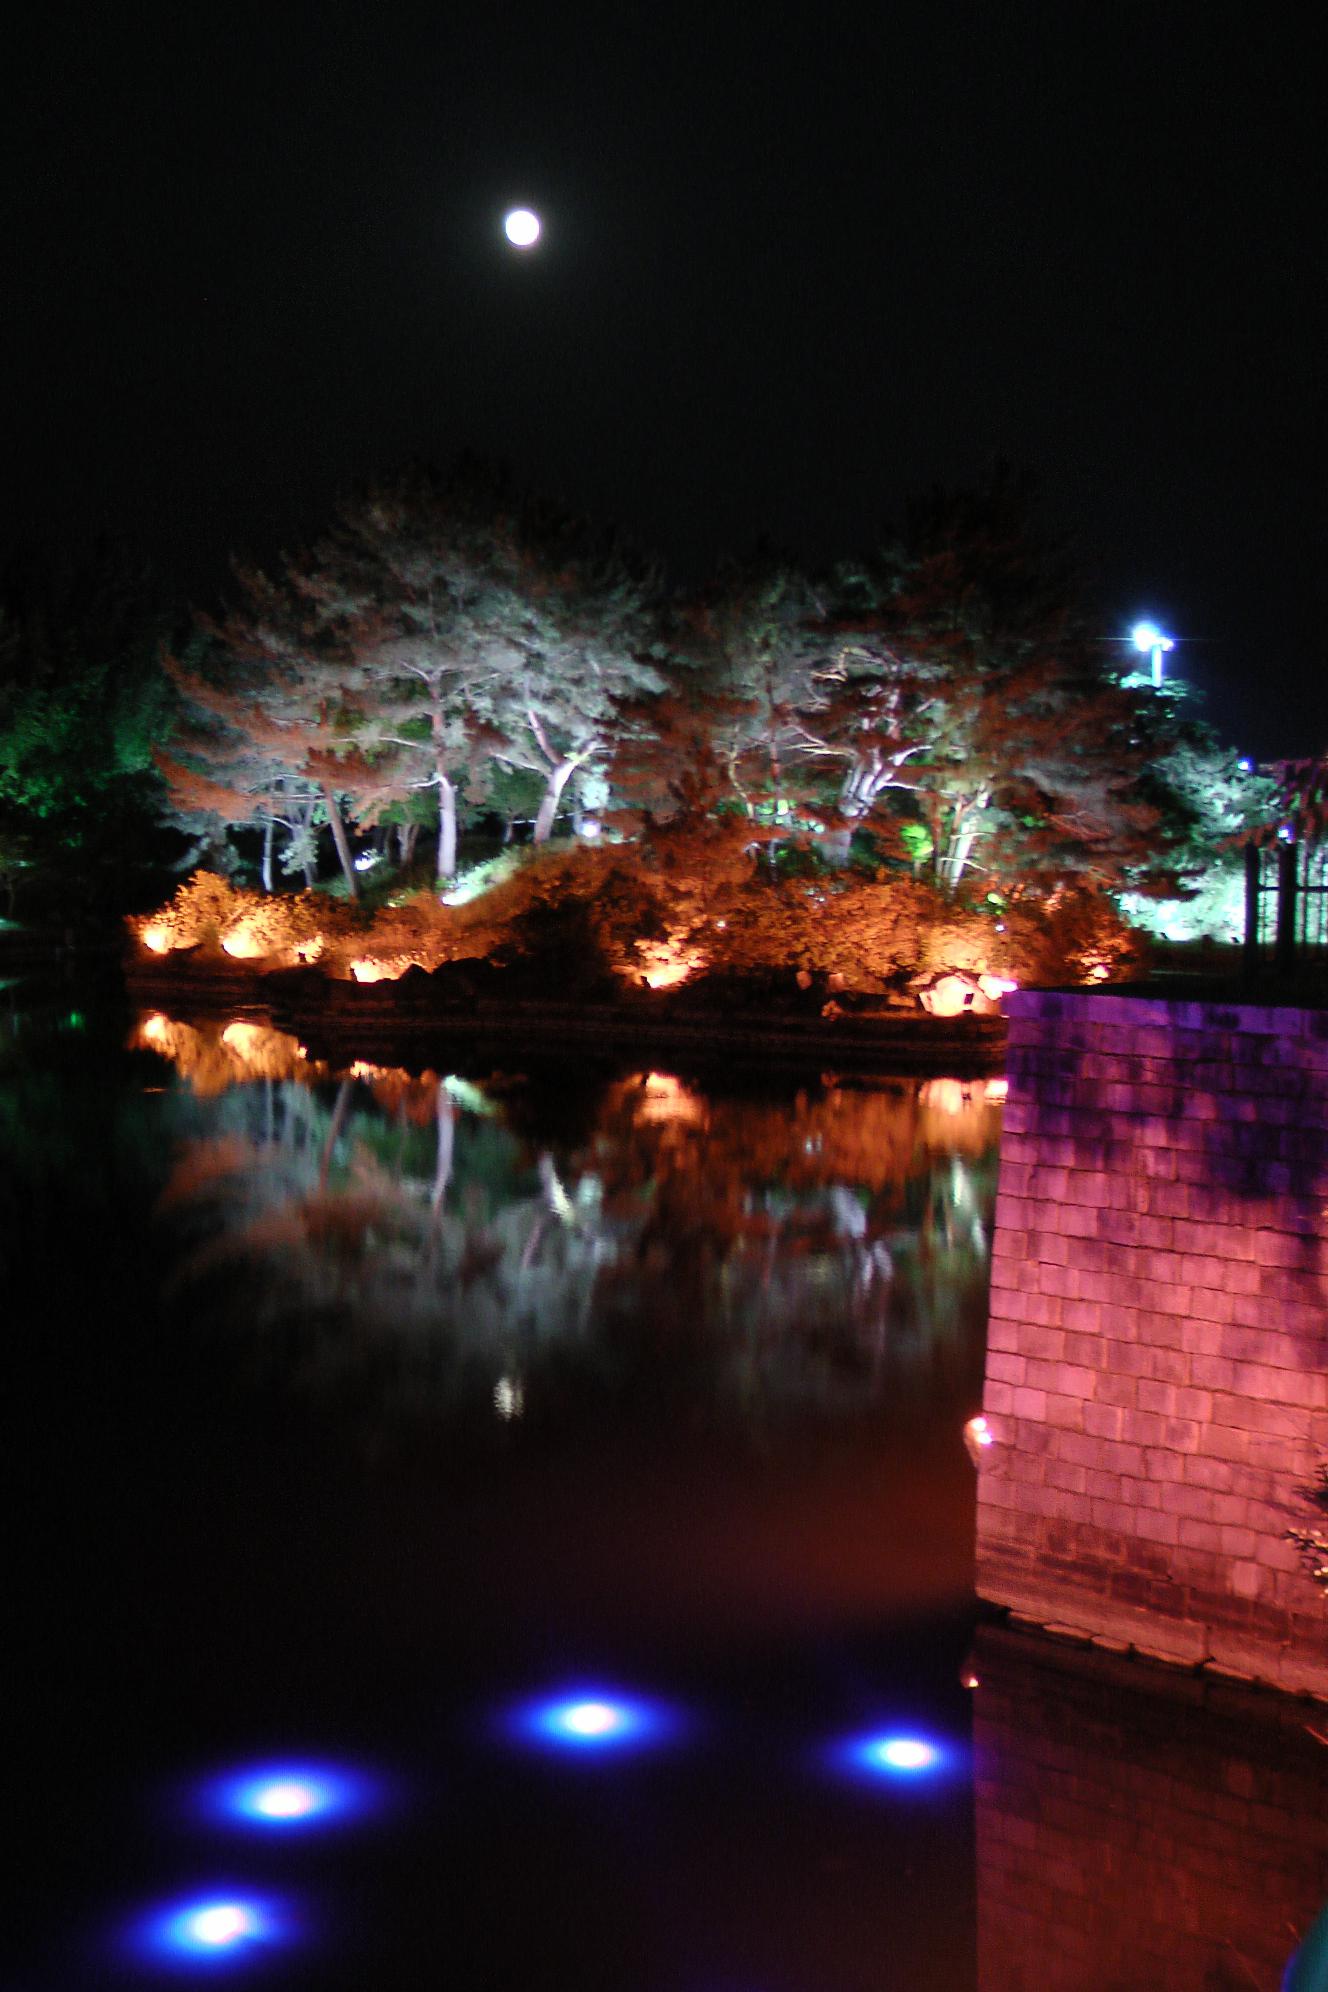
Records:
x=1157, y=1366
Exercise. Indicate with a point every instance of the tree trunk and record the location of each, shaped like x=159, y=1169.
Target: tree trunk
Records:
x=334, y=1132
x=305, y=822
x=268, y=829
x=342, y=842
x=553, y=791
x=959, y=844
x=442, y=1175
x=406, y=835
x=447, y=829
x=834, y=845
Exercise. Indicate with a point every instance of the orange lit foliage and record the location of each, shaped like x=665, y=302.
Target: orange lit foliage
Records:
x=686, y=903
x=207, y=912
x=1073, y=935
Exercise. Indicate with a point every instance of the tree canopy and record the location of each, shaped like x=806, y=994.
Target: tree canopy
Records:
x=451, y=655
x=83, y=704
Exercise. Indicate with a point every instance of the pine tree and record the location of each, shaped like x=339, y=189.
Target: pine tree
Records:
x=756, y=635
x=1021, y=749
x=481, y=633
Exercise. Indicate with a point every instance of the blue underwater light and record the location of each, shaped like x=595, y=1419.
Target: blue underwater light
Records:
x=592, y=1723
x=902, y=1757
x=219, y=1931
x=288, y=1798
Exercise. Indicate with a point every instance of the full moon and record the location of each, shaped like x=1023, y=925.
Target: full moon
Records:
x=522, y=228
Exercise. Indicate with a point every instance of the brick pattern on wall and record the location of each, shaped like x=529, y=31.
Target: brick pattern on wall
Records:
x=1157, y=1363
x=1139, y=1830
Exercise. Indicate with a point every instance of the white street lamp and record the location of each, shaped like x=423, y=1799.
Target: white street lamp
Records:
x=1147, y=637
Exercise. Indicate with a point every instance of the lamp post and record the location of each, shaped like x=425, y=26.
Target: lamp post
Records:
x=1148, y=638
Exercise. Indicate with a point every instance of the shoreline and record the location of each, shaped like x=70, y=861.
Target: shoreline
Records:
x=339, y=1022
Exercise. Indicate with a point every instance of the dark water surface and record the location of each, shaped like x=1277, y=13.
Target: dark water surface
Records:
x=353, y=1414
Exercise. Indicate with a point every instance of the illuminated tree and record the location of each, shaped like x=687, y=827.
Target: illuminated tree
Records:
x=756, y=635
x=972, y=685
x=584, y=634
x=234, y=767
x=82, y=702
x=300, y=687
x=868, y=711
x=246, y=753
x=1191, y=882
x=480, y=639
x=420, y=599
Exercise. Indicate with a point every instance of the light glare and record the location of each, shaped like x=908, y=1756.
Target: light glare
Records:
x=522, y=228
x=906, y=1753
x=591, y=1719
x=225, y=1923
x=217, y=1932
x=287, y=1801
x=288, y=1797
x=592, y=1723
x=978, y=1435
x=890, y=1756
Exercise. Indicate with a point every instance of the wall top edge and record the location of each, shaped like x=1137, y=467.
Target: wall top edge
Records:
x=1142, y=1012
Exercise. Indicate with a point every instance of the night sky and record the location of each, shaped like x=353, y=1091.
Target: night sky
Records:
x=797, y=266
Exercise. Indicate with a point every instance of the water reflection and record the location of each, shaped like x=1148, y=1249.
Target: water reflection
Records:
x=1138, y=1826
x=461, y=1239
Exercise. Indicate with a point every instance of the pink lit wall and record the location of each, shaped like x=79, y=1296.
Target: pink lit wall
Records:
x=1139, y=1829
x=1157, y=1366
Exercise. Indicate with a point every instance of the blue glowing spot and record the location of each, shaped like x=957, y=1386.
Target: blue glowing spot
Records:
x=217, y=1931
x=593, y=1723
x=901, y=1757
x=903, y=1753
x=289, y=1798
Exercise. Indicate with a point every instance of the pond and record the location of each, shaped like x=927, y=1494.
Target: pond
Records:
x=509, y=1528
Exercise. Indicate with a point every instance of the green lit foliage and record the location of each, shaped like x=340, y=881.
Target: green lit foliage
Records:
x=1191, y=885
x=83, y=701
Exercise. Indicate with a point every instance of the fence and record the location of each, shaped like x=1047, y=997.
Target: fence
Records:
x=1286, y=907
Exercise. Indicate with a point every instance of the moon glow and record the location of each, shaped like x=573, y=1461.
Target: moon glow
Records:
x=522, y=228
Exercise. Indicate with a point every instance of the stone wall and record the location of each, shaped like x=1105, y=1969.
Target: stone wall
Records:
x=1157, y=1365
x=1139, y=1828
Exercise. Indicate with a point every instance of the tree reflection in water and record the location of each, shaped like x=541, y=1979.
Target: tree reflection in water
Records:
x=446, y=1240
